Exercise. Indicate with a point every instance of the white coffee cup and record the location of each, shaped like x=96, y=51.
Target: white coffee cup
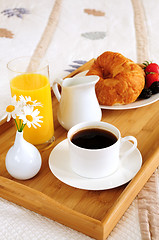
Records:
x=97, y=163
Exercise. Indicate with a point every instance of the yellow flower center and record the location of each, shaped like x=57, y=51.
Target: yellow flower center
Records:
x=29, y=118
x=10, y=108
x=30, y=103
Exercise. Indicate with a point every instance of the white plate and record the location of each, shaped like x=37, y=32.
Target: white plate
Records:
x=60, y=166
x=138, y=103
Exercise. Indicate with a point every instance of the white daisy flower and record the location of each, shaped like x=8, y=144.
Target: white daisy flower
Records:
x=30, y=117
x=12, y=109
x=28, y=102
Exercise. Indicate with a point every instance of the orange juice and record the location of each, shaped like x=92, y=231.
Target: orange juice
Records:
x=36, y=86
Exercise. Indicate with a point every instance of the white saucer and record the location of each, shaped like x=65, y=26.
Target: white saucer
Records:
x=60, y=166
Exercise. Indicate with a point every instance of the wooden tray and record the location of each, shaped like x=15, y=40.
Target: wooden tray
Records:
x=94, y=213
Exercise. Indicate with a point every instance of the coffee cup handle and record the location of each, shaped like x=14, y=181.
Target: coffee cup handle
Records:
x=55, y=88
x=133, y=147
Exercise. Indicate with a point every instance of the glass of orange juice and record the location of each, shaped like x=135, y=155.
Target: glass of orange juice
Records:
x=27, y=81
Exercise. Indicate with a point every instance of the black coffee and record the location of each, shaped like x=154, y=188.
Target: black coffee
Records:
x=93, y=138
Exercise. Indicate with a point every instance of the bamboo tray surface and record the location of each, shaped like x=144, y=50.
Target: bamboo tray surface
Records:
x=94, y=213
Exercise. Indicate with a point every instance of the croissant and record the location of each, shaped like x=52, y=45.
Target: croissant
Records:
x=121, y=80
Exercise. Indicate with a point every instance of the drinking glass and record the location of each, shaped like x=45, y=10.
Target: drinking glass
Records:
x=27, y=81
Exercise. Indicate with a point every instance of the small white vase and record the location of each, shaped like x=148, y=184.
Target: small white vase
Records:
x=23, y=160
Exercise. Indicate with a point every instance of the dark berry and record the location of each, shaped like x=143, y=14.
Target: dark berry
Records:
x=154, y=87
x=146, y=93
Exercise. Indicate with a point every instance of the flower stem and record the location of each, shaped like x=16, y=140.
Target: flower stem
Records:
x=22, y=127
x=19, y=125
x=16, y=124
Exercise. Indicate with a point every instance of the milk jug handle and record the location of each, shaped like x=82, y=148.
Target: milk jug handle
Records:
x=55, y=88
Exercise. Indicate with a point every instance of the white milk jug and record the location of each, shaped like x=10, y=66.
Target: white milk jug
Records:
x=77, y=101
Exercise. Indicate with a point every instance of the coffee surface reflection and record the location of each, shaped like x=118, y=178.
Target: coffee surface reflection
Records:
x=93, y=138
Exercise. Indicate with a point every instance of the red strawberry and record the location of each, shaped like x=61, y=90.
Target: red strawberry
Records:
x=151, y=67
x=150, y=78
